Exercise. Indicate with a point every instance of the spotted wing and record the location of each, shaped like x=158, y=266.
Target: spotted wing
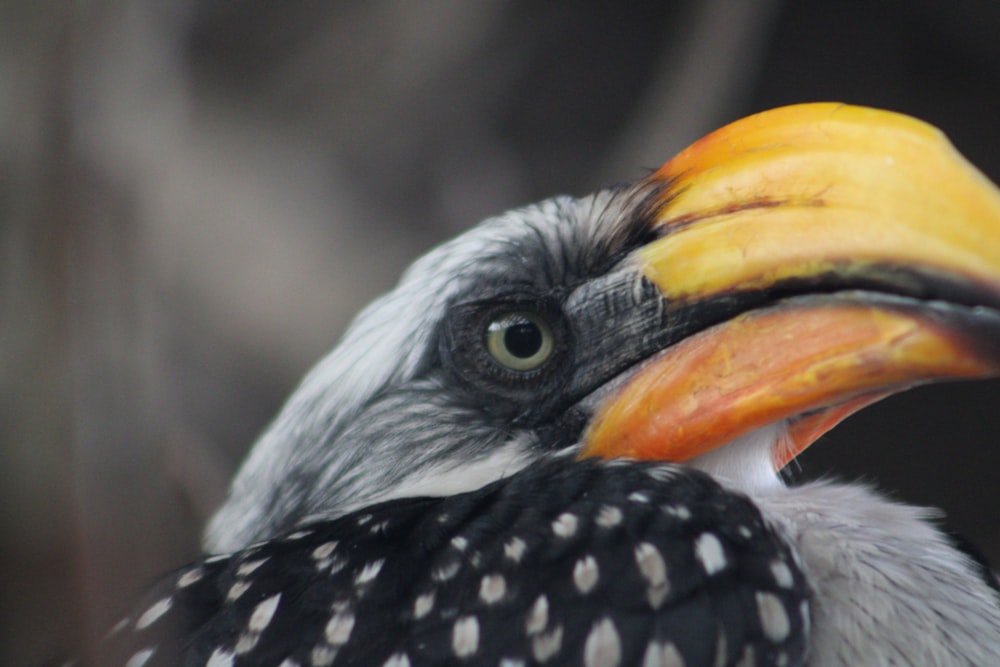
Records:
x=585, y=563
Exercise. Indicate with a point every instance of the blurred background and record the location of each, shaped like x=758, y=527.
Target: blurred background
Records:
x=196, y=197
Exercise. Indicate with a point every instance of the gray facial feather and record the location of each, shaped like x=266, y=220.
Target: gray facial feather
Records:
x=363, y=423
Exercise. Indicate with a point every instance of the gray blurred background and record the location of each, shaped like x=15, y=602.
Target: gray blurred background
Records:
x=196, y=197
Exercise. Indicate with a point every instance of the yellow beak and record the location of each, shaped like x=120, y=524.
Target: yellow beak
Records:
x=875, y=248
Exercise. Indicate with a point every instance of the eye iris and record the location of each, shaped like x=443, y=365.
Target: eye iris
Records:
x=520, y=340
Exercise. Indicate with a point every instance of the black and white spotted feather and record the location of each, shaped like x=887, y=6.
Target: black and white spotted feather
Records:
x=566, y=563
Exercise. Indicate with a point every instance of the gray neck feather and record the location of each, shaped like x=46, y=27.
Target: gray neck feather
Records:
x=888, y=589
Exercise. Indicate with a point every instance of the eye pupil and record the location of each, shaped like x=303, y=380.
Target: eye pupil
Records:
x=523, y=339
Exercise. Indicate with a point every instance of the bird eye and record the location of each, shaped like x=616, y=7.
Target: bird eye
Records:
x=520, y=340
x=515, y=346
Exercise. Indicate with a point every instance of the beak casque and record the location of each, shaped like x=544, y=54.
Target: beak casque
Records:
x=877, y=246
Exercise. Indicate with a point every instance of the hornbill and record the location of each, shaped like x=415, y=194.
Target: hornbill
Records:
x=558, y=441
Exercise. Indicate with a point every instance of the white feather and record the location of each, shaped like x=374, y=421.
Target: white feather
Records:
x=746, y=464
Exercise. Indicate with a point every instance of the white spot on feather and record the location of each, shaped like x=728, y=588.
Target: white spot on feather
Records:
x=333, y=565
x=680, y=511
x=369, y=572
x=191, y=576
x=609, y=516
x=514, y=549
x=259, y=620
x=465, y=636
x=246, y=643
x=423, y=604
x=492, y=588
x=603, y=647
x=220, y=658
x=547, y=645
x=708, y=550
x=397, y=660
x=782, y=574
x=153, y=614
x=117, y=627
x=263, y=613
x=446, y=571
x=585, y=574
x=565, y=525
x=654, y=570
x=662, y=654
x=773, y=617
x=236, y=590
x=140, y=658
x=323, y=551
x=662, y=473
x=721, y=649
x=250, y=567
x=651, y=565
x=338, y=629
x=538, y=617
x=322, y=656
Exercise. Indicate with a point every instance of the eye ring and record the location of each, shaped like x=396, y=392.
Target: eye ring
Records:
x=520, y=340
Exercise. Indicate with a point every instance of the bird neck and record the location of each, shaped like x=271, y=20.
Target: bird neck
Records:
x=747, y=463
x=888, y=587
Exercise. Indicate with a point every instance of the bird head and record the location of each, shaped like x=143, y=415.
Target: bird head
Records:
x=721, y=313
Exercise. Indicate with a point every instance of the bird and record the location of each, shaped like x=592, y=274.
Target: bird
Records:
x=560, y=439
